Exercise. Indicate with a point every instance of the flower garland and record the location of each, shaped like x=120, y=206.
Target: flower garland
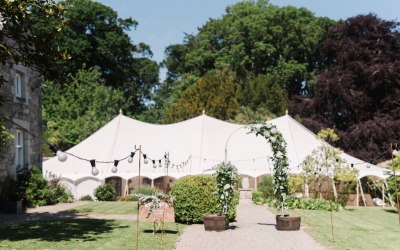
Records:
x=281, y=165
x=226, y=177
x=154, y=201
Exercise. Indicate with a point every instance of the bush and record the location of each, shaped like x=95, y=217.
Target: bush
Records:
x=194, y=198
x=145, y=190
x=258, y=197
x=126, y=198
x=39, y=191
x=296, y=184
x=266, y=186
x=86, y=198
x=105, y=192
x=306, y=203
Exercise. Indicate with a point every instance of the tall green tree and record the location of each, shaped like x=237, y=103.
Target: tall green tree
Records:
x=216, y=93
x=78, y=109
x=20, y=44
x=19, y=41
x=95, y=37
x=256, y=38
x=264, y=92
x=358, y=92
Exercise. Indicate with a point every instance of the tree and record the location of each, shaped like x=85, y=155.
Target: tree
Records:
x=95, y=37
x=215, y=93
x=264, y=92
x=80, y=108
x=357, y=91
x=325, y=163
x=19, y=43
x=256, y=38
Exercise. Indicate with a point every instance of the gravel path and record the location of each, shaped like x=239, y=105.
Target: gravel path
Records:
x=254, y=229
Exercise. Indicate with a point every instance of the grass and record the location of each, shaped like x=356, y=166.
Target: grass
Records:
x=354, y=228
x=106, y=207
x=87, y=234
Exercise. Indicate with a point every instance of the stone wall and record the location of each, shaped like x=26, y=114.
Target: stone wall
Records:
x=22, y=114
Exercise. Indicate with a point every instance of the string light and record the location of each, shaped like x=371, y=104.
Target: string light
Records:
x=95, y=171
x=60, y=154
x=154, y=163
x=159, y=164
x=114, y=169
x=145, y=159
x=130, y=158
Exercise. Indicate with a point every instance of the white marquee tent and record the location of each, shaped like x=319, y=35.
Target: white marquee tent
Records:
x=199, y=142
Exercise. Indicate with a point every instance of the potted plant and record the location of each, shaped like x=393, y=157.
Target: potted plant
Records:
x=280, y=173
x=226, y=177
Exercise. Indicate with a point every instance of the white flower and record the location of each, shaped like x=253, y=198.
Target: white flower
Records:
x=279, y=155
x=266, y=134
x=273, y=139
x=269, y=125
x=274, y=131
x=227, y=186
x=2, y=22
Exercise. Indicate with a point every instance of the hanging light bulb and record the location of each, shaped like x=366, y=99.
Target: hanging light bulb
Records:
x=145, y=159
x=130, y=158
x=61, y=156
x=352, y=165
x=115, y=169
x=159, y=164
x=95, y=171
x=154, y=163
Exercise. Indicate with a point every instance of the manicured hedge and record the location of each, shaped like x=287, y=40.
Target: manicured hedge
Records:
x=194, y=198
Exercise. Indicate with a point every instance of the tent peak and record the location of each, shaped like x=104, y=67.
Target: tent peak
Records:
x=120, y=112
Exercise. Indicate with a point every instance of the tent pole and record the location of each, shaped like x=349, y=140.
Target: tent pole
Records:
x=357, y=195
x=362, y=193
x=383, y=193
x=395, y=181
x=137, y=218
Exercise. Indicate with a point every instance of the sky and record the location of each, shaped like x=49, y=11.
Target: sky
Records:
x=165, y=22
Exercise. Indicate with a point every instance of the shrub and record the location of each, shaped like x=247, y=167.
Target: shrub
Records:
x=38, y=190
x=126, y=198
x=258, y=197
x=194, y=198
x=86, y=198
x=306, y=203
x=296, y=184
x=105, y=192
x=266, y=186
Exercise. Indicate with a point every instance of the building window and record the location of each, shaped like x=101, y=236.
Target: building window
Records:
x=19, y=85
x=19, y=149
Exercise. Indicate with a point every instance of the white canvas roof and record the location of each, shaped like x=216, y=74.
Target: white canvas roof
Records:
x=199, y=141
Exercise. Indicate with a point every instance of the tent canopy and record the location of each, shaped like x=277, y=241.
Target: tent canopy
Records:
x=195, y=146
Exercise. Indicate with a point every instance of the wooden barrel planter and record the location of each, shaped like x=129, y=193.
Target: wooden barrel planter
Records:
x=214, y=222
x=287, y=223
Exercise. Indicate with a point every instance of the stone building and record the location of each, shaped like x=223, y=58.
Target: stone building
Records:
x=22, y=111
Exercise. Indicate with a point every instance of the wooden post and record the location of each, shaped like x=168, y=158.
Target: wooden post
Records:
x=357, y=195
x=255, y=183
x=137, y=218
x=383, y=193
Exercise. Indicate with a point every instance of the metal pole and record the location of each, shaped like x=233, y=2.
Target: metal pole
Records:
x=226, y=144
x=137, y=218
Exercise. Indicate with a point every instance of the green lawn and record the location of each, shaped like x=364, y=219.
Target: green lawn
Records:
x=354, y=228
x=87, y=234
x=106, y=207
